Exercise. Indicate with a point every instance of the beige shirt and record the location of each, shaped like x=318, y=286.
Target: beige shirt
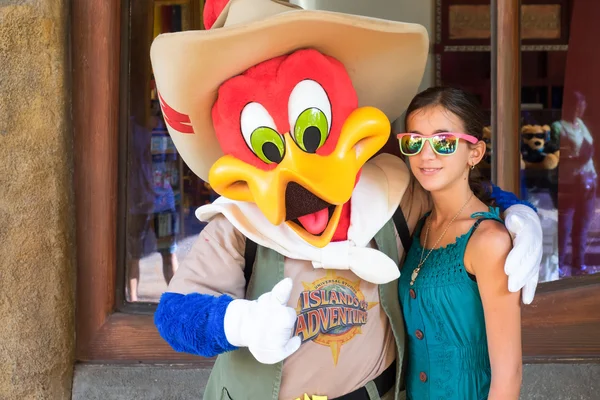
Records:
x=347, y=339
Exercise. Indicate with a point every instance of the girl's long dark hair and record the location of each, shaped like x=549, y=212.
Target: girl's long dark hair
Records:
x=466, y=107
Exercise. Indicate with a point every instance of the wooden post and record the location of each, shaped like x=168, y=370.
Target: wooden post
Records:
x=95, y=32
x=507, y=107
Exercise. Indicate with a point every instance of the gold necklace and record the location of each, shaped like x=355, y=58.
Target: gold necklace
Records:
x=415, y=273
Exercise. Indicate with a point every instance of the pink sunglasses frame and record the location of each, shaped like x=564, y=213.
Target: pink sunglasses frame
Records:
x=469, y=138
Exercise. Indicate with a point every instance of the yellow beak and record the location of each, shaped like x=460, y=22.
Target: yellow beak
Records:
x=330, y=178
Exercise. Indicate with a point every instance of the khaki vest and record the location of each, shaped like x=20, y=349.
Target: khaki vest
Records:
x=237, y=375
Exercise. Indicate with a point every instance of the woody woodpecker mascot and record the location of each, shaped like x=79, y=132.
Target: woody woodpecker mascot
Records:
x=293, y=282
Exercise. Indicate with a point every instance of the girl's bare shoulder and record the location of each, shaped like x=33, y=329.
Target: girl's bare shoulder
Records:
x=490, y=244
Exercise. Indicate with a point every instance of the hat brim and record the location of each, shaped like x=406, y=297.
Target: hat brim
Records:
x=385, y=60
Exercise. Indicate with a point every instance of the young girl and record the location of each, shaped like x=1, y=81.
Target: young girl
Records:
x=464, y=332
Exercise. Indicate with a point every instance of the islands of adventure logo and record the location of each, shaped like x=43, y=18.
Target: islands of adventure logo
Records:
x=331, y=311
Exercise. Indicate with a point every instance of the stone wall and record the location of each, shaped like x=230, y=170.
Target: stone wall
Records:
x=126, y=382
x=36, y=202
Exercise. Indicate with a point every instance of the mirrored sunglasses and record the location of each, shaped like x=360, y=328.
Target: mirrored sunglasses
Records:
x=443, y=144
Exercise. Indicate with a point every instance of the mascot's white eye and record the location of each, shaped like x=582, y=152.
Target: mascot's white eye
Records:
x=260, y=133
x=309, y=111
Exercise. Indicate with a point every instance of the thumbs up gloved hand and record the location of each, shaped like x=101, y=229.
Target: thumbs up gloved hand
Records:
x=264, y=325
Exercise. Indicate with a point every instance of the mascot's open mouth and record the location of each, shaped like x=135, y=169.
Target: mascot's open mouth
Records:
x=307, y=210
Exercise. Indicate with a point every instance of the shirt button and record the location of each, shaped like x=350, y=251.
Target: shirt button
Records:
x=419, y=334
x=412, y=293
x=423, y=377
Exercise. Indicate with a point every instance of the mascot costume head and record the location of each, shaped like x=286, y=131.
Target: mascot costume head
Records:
x=279, y=109
x=282, y=111
x=282, y=107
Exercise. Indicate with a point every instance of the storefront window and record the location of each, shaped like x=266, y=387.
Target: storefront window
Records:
x=559, y=123
x=558, y=153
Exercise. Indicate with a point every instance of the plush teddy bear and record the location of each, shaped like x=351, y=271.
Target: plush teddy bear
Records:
x=537, y=150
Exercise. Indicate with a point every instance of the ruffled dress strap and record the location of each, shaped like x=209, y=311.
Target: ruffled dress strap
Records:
x=493, y=213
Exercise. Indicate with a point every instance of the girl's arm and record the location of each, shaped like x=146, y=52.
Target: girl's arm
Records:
x=485, y=257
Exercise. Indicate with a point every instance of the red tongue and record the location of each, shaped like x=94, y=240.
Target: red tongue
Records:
x=315, y=223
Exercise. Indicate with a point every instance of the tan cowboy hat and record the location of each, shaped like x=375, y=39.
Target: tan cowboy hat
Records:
x=385, y=60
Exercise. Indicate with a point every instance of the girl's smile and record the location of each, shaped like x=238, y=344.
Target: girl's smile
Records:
x=429, y=171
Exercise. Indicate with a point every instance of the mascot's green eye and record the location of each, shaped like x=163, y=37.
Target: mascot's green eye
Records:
x=311, y=130
x=267, y=144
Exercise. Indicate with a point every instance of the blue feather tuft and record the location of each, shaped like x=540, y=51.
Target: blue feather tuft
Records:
x=193, y=323
x=504, y=200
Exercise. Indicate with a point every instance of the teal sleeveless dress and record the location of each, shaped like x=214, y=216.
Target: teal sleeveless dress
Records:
x=447, y=343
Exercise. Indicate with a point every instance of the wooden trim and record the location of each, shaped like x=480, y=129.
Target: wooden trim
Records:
x=506, y=169
x=565, y=22
x=95, y=34
x=563, y=323
x=493, y=79
x=442, y=18
x=129, y=338
x=124, y=123
x=438, y=49
x=103, y=335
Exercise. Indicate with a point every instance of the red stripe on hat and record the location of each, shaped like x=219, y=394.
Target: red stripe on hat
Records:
x=180, y=122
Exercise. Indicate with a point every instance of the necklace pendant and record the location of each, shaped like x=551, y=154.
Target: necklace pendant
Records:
x=414, y=275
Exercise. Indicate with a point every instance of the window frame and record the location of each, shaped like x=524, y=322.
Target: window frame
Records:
x=557, y=327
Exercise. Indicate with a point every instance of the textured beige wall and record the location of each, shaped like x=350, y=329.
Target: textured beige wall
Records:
x=36, y=215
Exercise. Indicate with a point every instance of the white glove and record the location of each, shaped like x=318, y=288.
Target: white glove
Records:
x=523, y=262
x=264, y=325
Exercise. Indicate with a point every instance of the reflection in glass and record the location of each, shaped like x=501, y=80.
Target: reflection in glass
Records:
x=162, y=193
x=578, y=188
x=559, y=157
x=153, y=220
